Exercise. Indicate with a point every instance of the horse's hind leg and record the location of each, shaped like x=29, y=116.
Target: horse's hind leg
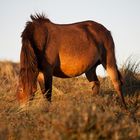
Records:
x=92, y=77
x=116, y=78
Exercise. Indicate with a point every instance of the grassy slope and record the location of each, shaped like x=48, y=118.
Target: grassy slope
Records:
x=74, y=112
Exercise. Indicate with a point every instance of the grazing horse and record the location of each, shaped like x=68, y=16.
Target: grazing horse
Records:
x=64, y=50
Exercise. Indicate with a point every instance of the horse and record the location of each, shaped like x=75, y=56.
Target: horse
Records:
x=65, y=51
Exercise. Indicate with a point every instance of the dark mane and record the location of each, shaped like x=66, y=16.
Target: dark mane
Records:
x=39, y=17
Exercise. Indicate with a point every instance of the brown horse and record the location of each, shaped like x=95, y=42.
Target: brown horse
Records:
x=64, y=51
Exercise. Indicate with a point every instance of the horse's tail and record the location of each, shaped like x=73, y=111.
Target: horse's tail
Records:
x=28, y=66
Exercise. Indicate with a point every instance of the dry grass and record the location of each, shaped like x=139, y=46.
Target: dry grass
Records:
x=74, y=114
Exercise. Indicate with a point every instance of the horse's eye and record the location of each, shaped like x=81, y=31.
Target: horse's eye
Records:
x=20, y=90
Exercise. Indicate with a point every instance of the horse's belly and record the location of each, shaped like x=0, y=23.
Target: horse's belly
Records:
x=76, y=59
x=74, y=69
x=69, y=70
x=71, y=67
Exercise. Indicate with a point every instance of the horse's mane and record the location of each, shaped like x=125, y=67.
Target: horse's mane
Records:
x=39, y=17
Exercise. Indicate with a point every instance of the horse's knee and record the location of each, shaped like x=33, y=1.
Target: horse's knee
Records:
x=92, y=77
x=96, y=87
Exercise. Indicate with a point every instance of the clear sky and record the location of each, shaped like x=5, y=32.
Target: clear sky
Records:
x=121, y=17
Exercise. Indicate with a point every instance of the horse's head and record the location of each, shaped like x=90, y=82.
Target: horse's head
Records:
x=21, y=95
x=25, y=92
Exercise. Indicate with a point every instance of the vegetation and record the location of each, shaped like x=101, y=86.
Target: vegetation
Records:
x=74, y=114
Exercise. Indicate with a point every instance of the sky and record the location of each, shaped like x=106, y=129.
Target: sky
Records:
x=121, y=17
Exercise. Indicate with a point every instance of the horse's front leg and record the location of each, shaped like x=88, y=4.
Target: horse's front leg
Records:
x=41, y=82
x=48, y=84
x=48, y=87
